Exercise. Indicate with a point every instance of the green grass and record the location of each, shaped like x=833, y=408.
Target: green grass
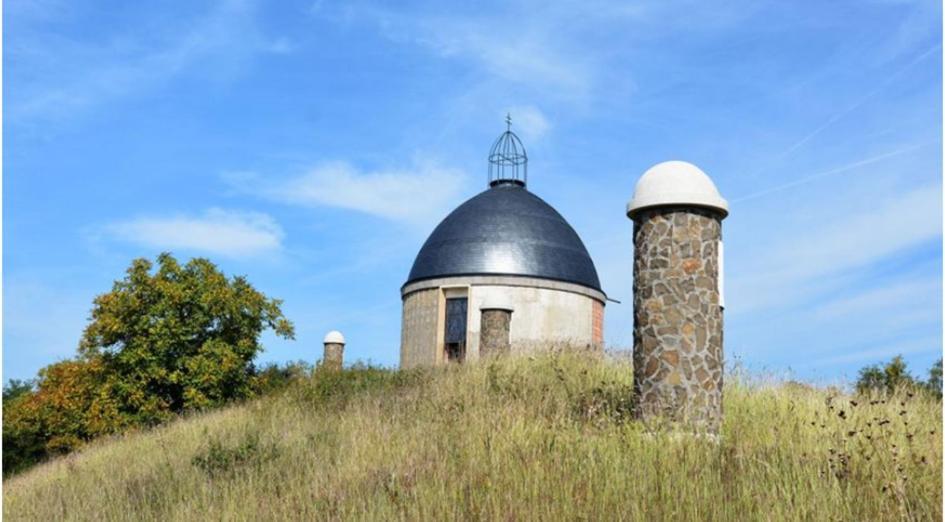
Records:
x=546, y=438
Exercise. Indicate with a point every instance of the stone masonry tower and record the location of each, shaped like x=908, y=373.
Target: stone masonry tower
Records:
x=677, y=215
x=333, y=357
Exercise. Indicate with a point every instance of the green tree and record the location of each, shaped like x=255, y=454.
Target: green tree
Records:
x=16, y=388
x=160, y=342
x=934, y=384
x=872, y=378
x=889, y=377
x=178, y=337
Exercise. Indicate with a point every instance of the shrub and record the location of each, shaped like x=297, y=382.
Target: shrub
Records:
x=606, y=402
x=337, y=387
x=222, y=460
x=273, y=377
x=68, y=408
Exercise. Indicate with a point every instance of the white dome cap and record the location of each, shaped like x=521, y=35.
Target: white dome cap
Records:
x=334, y=337
x=676, y=183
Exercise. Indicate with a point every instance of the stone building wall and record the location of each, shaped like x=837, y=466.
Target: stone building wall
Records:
x=543, y=318
x=418, y=332
x=677, y=327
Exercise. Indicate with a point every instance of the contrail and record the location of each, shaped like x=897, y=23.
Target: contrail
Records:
x=833, y=119
x=838, y=116
x=851, y=166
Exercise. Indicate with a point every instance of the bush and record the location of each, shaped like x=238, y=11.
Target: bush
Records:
x=273, y=377
x=221, y=460
x=337, y=387
x=606, y=402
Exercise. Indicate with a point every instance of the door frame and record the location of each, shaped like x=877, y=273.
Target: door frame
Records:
x=450, y=292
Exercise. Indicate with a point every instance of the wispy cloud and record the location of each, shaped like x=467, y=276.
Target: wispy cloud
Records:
x=859, y=102
x=416, y=195
x=797, y=264
x=514, y=43
x=59, y=77
x=529, y=121
x=877, y=352
x=216, y=231
x=548, y=50
x=894, y=308
x=837, y=170
x=527, y=53
x=32, y=308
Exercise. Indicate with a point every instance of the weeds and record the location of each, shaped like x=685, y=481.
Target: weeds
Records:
x=222, y=460
x=543, y=438
x=328, y=388
x=606, y=402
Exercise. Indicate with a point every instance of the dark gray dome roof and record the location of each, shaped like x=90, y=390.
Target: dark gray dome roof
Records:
x=505, y=230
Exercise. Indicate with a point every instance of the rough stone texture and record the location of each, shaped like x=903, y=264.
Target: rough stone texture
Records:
x=334, y=356
x=418, y=333
x=494, y=329
x=677, y=324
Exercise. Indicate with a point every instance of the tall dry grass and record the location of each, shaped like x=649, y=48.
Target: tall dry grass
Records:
x=546, y=438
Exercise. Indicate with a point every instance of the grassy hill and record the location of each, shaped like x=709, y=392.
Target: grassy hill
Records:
x=524, y=439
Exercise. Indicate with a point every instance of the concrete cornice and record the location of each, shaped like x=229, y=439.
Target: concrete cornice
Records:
x=498, y=280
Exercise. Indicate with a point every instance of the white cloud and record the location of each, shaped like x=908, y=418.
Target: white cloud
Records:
x=414, y=195
x=552, y=49
x=217, y=231
x=804, y=261
x=876, y=354
x=31, y=308
x=528, y=121
x=517, y=44
x=900, y=303
x=59, y=77
x=280, y=46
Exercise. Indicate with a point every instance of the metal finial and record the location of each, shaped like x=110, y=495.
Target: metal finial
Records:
x=508, y=162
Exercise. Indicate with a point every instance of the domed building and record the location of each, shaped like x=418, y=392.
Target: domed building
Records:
x=503, y=273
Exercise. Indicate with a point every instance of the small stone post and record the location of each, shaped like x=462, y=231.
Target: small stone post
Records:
x=677, y=217
x=334, y=350
x=494, y=330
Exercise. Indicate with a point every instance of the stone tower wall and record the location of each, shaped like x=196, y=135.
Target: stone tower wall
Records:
x=677, y=327
x=334, y=356
x=494, y=332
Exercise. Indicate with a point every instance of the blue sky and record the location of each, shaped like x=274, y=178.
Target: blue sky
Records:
x=312, y=146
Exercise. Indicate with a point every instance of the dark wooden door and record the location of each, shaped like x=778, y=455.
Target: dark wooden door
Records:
x=455, y=335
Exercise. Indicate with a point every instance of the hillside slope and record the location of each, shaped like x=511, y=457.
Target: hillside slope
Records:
x=527, y=439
